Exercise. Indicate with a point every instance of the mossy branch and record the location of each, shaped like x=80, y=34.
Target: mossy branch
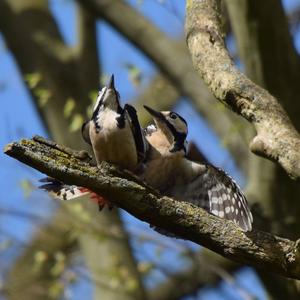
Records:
x=256, y=248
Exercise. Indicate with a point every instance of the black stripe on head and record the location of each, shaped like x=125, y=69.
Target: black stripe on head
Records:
x=179, y=139
x=179, y=144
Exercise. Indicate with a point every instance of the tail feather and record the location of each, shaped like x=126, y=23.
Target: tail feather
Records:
x=62, y=191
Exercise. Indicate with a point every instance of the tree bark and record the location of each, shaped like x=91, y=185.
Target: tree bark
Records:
x=267, y=52
x=257, y=248
x=276, y=137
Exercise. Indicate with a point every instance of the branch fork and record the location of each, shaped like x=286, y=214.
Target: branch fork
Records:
x=276, y=139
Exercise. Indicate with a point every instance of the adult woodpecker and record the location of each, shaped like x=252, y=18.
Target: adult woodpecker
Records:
x=114, y=132
x=168, y=170
x=115, y=136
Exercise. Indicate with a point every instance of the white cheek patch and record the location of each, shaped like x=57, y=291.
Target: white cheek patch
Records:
x=100, y=95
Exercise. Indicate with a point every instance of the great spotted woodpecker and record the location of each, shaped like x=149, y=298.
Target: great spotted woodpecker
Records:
x=115, y=136
x=114, y=132
x=203, y=185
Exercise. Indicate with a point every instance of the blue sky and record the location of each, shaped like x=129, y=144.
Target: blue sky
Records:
x=19, y=119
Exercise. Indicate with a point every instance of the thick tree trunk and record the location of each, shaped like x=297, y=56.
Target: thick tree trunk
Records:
x=266, y=49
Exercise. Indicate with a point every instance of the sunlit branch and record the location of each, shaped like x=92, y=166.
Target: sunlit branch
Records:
x=257, y=248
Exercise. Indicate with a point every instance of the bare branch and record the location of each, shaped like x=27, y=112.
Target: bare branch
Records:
x=276, y=137
x=257, y=248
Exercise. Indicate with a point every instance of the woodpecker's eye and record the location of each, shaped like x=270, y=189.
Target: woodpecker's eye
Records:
x=173, y=116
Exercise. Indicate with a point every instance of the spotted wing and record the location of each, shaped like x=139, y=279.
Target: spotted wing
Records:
x=226, y=199
x=218, y=193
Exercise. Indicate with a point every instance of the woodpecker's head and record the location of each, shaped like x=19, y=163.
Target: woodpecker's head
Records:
x=108, y=99
x=173, y=126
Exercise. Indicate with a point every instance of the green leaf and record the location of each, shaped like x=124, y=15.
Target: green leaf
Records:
x=69, y=107
x=33, y=79
x=55, y=290
x=43, y=96
x=131, y=284
x=76, y=122
x=89, y=110
x=58, y=268
x=40, y=257
x=135, y=74
x=93, y=96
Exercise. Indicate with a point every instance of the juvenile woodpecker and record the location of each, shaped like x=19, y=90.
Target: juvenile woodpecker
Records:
x=115, y=136
x=168, y=170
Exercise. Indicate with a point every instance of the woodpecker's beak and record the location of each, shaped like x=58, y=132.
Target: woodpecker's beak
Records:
x=111, y=96
x=111, y=83
x=108, y=97
x=155, y=114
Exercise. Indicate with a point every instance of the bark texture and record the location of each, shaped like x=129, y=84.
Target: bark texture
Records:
x=257, y=248
x=266, y=50
x=276, y=137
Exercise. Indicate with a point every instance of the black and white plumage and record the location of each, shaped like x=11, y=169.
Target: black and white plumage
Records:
x=114, y=132
x=61, y=191
x=218, y=193
x=115, y=135
x=168, y=170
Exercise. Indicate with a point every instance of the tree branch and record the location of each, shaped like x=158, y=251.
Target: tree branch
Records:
x=257, y=248
x=86, y=50
x=276, y=137
x=207, y=269
x=262, y=36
